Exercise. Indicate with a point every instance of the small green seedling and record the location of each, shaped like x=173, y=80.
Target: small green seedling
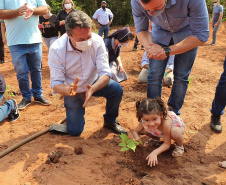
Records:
x=189, y=81
x=128, y=144
x=8, y=92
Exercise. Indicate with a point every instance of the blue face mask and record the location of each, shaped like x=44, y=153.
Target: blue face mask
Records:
x=156, y=12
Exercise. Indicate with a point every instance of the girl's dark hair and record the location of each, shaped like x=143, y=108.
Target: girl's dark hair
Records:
x=148, y=106
x=129, y=36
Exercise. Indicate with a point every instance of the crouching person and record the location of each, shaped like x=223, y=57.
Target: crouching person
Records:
x=79, y=69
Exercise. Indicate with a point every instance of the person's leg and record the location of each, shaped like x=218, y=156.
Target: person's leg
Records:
x=143, y=76
x=106, y=31
x=215, y=33
x=47, y=41
x=155, y=76
x=177, y=134
x=101, y=31
x=75, y=113
x=52, y=40
x=182, y=68
x=2, y=56
x=34, y=58
x=113, y=93
x=6, y=109
x=219, y=102
x=19, y=58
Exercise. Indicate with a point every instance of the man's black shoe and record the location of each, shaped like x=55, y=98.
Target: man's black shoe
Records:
x=42, y=100
x=23, y=104
x=215, y=123
x=115, y=127
x=14, y=115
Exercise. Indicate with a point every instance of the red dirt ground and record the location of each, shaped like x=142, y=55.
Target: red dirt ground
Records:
x=101, y=161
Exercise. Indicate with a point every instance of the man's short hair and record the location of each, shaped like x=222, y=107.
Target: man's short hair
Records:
x=75, y=19
x=103, y=2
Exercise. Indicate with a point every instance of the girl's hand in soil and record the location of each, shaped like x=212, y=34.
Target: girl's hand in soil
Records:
x=73, y=87
x=152, y=159
x=89, y=93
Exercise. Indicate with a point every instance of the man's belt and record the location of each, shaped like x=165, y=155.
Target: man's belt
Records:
x=102, y=24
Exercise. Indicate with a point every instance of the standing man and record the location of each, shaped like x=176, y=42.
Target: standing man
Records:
x=103, y=18
x=216, y=19
x=178, y=28
x=79, y=69
x=219, y=102
x=25, y=45
x=2, y=42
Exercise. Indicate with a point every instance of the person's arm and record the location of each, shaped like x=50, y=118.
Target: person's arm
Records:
x=10, y=14
x=119, y=62
x=219, y=20
x=41, y=10
x=137, y=130
x=96, y=23
x=3, y=30
x=111, y=18
x=152, y=157
x=145, y=61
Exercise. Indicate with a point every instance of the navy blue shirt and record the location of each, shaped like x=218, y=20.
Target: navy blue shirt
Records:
x=112, y=53
x=179, y=20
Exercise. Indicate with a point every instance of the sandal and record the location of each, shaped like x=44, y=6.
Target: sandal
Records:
x=151, y=142
x=222, y=164
x=178, y=151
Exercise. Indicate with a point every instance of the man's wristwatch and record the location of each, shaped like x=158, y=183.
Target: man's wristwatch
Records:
x=167, y=51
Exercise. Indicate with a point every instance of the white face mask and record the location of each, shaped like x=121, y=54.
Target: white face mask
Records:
x=83, y=45
x=124, y=44
x=67, y=6
x=215, y=4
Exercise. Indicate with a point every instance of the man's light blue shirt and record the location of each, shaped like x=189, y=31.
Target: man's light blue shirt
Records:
x=19, y=30
x=179, y=20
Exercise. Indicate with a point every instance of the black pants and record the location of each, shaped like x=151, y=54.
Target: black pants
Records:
x=2, y=56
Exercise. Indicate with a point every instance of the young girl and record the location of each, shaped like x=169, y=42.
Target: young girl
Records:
x=156, y=121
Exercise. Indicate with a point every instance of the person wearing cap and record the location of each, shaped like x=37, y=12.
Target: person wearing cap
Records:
x=113, y=44
x=103, y=18
x=79, y=69
x=178, y=28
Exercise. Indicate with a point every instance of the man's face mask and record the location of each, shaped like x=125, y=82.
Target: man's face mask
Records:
x=83, y=45
x=67, y=6
x=215, y=3
x=156, y=12
x=103, y=7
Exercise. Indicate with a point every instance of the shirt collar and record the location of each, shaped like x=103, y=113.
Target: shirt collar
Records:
x=170, y=3
x=69, y=47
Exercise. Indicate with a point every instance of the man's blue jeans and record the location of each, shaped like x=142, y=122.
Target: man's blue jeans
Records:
x=105, y=30
x=75, y=112
x=6, y=108
x=182, y=68
x=28, y=58
x=219, y=101
x=215, y=32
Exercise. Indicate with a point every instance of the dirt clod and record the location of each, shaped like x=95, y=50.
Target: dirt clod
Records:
x=53, y=157
x=78, y=150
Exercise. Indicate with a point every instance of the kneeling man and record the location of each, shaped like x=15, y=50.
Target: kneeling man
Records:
x=79, y=69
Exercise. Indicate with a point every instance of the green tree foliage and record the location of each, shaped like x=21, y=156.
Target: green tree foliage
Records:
x=120, y=8
x=209, y=4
